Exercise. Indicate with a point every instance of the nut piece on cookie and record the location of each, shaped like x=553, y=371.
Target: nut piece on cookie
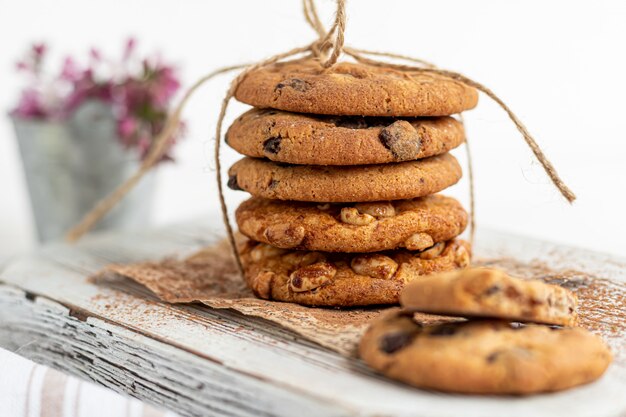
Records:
x=462, y=257
x=377, y=210
x=351, y=215
x=299, y=259
x=375, y=266
x=311, y=277
x=433, y=252
x=483, y=292
x=284, y=235
x=262, y=284
x=419, y=241
x=262, y=251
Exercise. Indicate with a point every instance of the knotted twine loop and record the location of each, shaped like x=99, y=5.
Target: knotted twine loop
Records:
x=321, y=47
x=318, y=49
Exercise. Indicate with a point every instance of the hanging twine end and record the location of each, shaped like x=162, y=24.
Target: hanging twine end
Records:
x=569, y=195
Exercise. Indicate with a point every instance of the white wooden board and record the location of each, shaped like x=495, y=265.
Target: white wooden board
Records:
x=199, y=361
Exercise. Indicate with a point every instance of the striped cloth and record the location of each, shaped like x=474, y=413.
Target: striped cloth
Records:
x=31, y=390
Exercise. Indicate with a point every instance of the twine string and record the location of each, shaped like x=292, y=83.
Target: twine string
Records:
x=528, y=138
x=472, y=196
x=312, y=18
x=339, y=27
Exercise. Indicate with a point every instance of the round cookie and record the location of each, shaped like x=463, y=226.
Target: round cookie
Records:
x=483, y=357
x=304, y=86
x=482, y=292
x=334, y=184
x=323, y=140
x=339, y=279
x=363, y=227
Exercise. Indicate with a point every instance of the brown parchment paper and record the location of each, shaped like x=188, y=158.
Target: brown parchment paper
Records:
x=210, y=277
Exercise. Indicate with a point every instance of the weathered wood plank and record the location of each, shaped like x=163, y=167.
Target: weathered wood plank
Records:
x=260, y=350
x=130, y=363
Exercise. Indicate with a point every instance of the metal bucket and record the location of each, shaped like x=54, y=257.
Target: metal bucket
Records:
x=71, y=165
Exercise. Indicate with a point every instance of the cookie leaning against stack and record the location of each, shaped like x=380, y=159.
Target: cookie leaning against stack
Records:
x=344, y=165
x=495, y=355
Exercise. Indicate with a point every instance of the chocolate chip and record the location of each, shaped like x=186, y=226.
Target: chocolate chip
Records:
x=233, y=184
x=402, y=140
x=272, y=184
x=393, y=342
x=272, y=145
x=512, y=292
x=491, y=290
x=296, y=281
x=444, y=330
x=295, y=83
x=492, y=357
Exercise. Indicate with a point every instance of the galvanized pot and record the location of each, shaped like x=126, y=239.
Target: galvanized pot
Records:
x=70, y=165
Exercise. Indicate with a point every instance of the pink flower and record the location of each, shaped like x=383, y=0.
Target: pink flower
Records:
x=166, y=85
x=30, y=106
x=140, y=100
x=70, y=71
x=131, y=43
x=143, y=144
x=95, y=54
x=39, y=49
x=22, y=66
x=127, y=126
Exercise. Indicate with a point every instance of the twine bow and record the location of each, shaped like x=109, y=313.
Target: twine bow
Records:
x=326, y=49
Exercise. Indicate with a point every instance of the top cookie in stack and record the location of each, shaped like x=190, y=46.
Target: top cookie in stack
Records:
x=343, y=165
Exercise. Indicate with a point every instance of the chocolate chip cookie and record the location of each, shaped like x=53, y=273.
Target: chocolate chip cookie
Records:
x=343, y=280
x=483, y=357
x=363, y=227
x=482, y=292
x=334, y=184
x=350, y=140
x=303, y=86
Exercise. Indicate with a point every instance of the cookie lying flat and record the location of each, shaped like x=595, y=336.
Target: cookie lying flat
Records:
x=363, y=227
x=323, y=140
x=483, y=357
x=334, y=184
x=303, y=86
x=343, y=280
x=491, y=293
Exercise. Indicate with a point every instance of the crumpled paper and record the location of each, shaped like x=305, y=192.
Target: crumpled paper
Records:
x=210, y=277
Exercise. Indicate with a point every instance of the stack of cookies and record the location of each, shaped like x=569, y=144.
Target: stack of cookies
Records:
x=344, y=165
x=494, y=355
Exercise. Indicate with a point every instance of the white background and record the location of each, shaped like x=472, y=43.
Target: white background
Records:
x=560, y=65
